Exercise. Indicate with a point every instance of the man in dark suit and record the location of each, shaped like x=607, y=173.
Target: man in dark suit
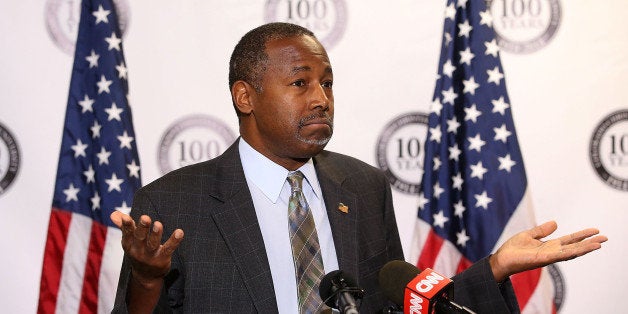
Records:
x=236, y=249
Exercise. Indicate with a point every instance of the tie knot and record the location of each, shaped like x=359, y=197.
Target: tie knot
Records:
x=295, y=179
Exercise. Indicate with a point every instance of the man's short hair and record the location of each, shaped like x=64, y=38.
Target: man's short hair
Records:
x=249, y=59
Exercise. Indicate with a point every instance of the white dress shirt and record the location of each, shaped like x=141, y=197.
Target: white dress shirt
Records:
x=270, y=192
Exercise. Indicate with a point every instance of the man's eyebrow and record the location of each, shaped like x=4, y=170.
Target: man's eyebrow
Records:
x=306, y=68
x=296, y=70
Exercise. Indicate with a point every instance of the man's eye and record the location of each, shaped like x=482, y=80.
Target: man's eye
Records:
x=328, y=84
x=299, y=83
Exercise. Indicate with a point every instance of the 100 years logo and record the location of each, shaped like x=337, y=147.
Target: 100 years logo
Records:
x=608, y=150
x=9, y=158
x=400, y=151
x=524, y=26
x=326, y=18
x=193, y=139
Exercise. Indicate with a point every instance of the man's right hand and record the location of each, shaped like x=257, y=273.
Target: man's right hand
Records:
x=150, y=260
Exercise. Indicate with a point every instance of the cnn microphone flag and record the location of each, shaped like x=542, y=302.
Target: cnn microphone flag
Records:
x=98, y=172
x=473, y=193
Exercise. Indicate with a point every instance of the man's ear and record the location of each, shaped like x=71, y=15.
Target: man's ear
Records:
x=243, y=96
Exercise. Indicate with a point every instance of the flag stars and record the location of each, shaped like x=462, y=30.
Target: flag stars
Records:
x=447, y=39
x=101, y=15
x=103, y=156
x=478, y=170
x=457, y=182
x=459, y=209
x=422, y=201
x=470, y=86
x=464, y=29
x=452, y=125
x=486, y=18
x=90, y=174
x=494, y=76
x=435, y=134
x=71, y=193
x=95, y=201
x=454, y=152
x=114, y=112
x=114, y=183
x=482, y=200
x=506, y=163
x=462, y=238
x=124, y=208
x=436, y=107
x=449, y=96
x=95, y=129
x=103, y=85
x=440, y=219
x=134, y=169
x=472, y=113
x=93, y=59
x=450, y=12
x=125, y=140
x=466, y=56
x=122, y=70
x=437, y=163
x=86, y=104
x=79, y=149
x=113, y=41
x=438, y=190
x=476, y=143
x=500, y=105
x=492, y=48
x=462, y=4
x=448, y=69
x=502, y=134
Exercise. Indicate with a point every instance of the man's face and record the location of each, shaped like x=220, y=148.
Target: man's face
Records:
x=293, y=112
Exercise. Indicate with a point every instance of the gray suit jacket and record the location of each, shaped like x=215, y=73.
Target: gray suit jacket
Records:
x=222, y=267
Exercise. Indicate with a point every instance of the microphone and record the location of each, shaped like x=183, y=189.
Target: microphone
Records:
x=419, y=292
x=339, y=291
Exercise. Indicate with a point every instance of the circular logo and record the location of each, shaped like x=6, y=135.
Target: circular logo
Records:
x=608, y=150
x=63, y=17
x=559, y=286
x=326, y=18
x=400, y=151
x=524, y=26
x=9, y=158
x=193, y=139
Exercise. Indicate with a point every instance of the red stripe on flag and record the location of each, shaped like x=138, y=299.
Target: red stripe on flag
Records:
x=430, y=250
x=89, y=296
x=463, y=264
x=524, y=284
x=58, y=227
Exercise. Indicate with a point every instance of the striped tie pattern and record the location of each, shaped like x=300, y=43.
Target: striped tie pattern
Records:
x=306, y=250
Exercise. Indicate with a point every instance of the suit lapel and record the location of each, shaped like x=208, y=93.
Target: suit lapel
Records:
x=236, y=219
x=343, y=225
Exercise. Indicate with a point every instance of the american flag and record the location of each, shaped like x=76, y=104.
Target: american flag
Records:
x=98, y=172
x=473, y=194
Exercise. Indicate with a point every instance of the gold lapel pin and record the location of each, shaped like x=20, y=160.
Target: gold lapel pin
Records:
x=343, y=208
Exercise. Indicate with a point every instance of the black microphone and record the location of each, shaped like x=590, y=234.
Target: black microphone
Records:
x=339, y=291
x=418, y=292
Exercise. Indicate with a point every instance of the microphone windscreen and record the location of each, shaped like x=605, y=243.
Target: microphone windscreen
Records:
x=332, y=282
x=394, y=277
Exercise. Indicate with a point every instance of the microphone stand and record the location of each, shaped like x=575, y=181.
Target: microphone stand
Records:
x=346, y=299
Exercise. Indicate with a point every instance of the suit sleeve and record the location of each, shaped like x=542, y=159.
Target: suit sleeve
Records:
x=477, y=289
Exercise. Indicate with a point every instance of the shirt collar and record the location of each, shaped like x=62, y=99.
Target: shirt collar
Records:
x=270, y=177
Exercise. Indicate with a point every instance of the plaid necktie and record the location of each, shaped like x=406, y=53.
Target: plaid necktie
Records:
x=306, y=250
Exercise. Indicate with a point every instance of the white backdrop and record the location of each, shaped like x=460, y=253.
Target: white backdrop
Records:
x=384, y=56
